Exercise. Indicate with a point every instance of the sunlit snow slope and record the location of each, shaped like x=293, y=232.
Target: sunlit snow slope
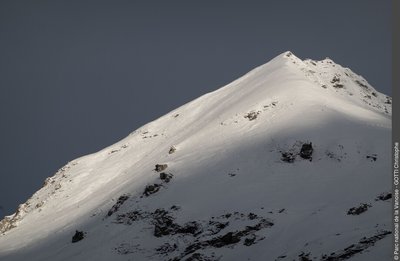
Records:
x=237, y=183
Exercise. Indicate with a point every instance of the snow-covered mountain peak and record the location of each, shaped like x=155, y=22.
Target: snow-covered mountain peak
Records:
x=339, y=81
x=288, y=161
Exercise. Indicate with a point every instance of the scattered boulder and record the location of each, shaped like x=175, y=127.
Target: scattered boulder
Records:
x=384, y=196
x=151, y=189
x=302, y=149
x=250, y=240
x=336, y=82
x=176, y=208
x=39, y=205
x=79, y=235
x=252, y=216
x=334, y=156
x=193, y=228
x=361, y=84
x=166, y=177
x=161, y=167
x=304, y=257
x=338, y=85
x=372, y=157
x=335, y=79
x=172, y=150
x=358, y=210
x=118, y=204
x=251, y=115
x=288, y=157
x=306, y=151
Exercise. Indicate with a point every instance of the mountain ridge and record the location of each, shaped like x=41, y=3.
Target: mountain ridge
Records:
x=239, y=131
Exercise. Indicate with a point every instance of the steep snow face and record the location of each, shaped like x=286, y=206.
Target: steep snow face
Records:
x=290, y=161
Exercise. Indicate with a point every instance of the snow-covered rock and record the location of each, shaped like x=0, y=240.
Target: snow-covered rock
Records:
x=267, y=167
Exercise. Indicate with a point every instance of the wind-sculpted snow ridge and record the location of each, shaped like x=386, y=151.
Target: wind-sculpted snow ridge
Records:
x=289, y=162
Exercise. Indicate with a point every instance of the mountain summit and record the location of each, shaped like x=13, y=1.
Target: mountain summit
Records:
x=289, y=162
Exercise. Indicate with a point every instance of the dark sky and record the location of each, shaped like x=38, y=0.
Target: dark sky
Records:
x=76, y=76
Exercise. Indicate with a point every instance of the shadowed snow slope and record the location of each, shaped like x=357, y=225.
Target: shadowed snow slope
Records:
x=238, y=183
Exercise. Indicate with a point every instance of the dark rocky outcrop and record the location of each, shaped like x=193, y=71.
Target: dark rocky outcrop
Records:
x=203, y=234
x=358, y=210
x=163, y=223
x=288, y=157
x=228, y=239
x=353, y=249
x=151, y=189
x=250, y=240
x=130, y=217
x=252, y=216
x=172, y=150
x=166, y=177
x=336, y=81
x=166, y=248
x=79, y=235
x=338, y=85
x=384, y=196
x=161, y=167
x=304, y=256
x=251, y=115
x=214, y=227
x=306, y=151
x=10, y=222
x=192, y=227
x=164, y=229
x=361, y=84
x=303, y=149
x=118, y=204
x=372, y=157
